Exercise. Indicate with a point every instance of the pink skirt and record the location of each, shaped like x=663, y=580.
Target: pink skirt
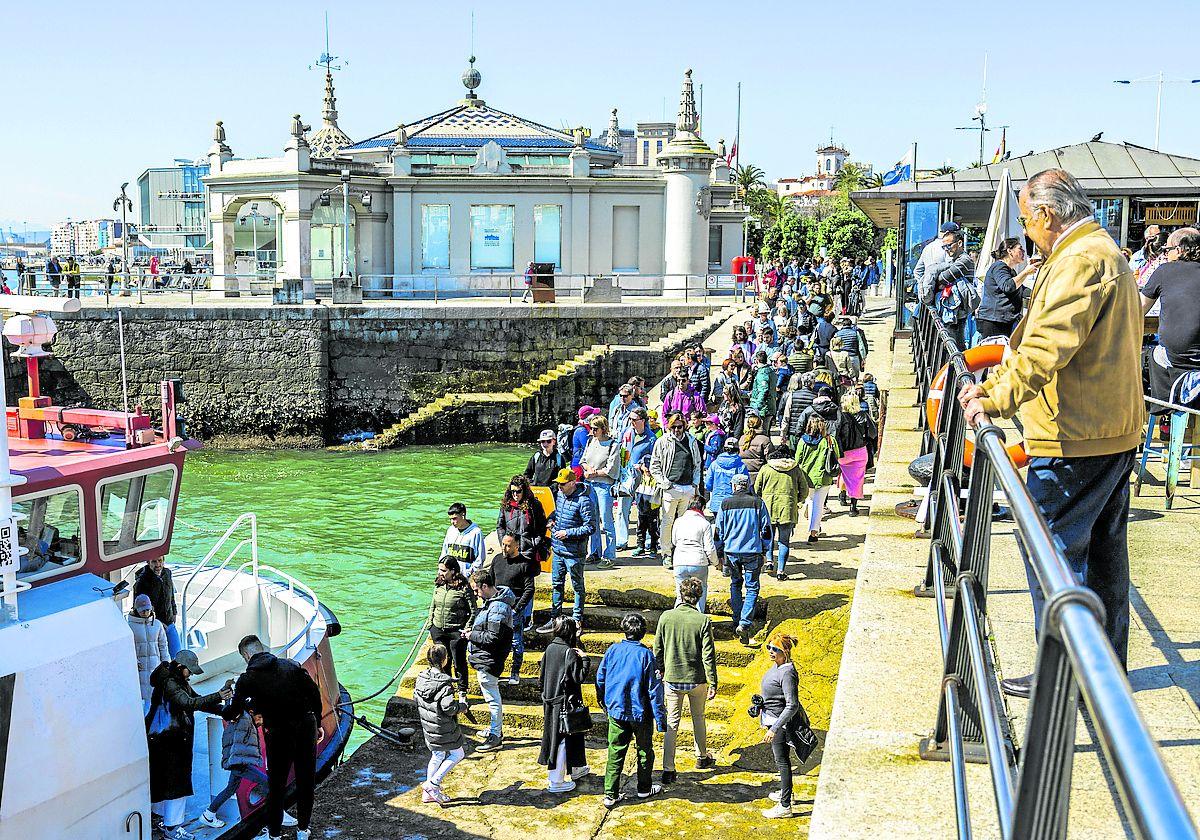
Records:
x=854, y=471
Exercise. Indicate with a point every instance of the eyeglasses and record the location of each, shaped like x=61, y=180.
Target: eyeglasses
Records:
x=773, y=649
x=676, y=427
x=516, y=489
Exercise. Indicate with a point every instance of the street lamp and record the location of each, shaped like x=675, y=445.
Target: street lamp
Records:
x=1160, y=81
x=124, y=204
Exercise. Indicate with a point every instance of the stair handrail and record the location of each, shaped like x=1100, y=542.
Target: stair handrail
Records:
x=247, y=517
x=293, y=584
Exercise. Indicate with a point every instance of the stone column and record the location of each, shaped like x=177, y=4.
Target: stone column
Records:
x=687, y=169
x=403, y=259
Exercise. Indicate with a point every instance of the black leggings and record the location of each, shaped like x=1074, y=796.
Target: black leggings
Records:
x=457, y=645
x=991, y=329
x=781, y=748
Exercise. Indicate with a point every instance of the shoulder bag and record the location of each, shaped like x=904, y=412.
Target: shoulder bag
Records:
x=573, y=718
x=831, y=467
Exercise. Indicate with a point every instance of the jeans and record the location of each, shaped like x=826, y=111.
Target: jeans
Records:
x=288, y=745
x=624, y=506
x=559, y=570
x=489, y=687
x=696, y=698
x=647, y=527
x=457, y=646
x=520, y=622
x=604, y=493
x=781, y=535
x=701, y=572
x=620, y=733
x=172, y=639
x=746, y=569
x=235, y=780
x=781, y=748
x=440, y=765
x=1086, y=504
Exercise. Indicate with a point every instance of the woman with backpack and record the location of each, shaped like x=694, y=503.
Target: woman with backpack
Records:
x=563, y=670
x=439, y=706
x=856, y=435
x=784, y=719
x=450, y=613
x=817, y=457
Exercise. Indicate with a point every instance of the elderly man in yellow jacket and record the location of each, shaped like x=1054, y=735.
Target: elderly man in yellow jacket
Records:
x=1074, y=374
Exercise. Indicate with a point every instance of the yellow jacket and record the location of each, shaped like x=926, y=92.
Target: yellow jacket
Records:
x=1075, y=367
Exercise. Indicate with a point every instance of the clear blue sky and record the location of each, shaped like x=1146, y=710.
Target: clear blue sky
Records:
x=882, y=74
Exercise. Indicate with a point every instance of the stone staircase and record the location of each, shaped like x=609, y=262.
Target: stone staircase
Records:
x=523, y=398
x=602, y=616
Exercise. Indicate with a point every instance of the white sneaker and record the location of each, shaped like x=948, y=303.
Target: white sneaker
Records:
x=514, y=680
x=288, y=820
x=211, y=820
x=778, y=813
x=580, y=772
x=568, y=785
x=775, y=795
x=303, y=834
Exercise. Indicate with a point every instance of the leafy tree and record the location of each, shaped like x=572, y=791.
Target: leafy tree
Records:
x=748, y=177
x=849, y=178
x=891, y=239
x=793, y=237
x=846, y=233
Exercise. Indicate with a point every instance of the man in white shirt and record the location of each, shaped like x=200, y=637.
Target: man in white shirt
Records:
x=464, y=540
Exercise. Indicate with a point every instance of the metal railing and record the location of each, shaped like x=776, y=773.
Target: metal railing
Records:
x=511, y=286
x=1074, y=655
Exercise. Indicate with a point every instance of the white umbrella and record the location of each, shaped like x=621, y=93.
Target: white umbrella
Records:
x=1002, y=223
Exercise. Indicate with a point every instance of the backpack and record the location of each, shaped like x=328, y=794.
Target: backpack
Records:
x=564, y=441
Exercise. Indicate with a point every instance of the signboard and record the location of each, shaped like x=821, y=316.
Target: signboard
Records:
x=720, y=282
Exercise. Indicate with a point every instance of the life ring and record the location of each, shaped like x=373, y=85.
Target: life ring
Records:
x=977, y=358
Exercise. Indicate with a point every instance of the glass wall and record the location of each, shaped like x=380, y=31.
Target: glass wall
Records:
x=547, y=234
x=1107, y=212
x=492, y=237
x=435, y=236
x=920, y=225
x=326, y=241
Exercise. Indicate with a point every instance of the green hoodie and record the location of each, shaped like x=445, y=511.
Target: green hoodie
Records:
x=781, y=485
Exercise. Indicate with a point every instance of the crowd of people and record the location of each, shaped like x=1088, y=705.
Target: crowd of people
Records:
x=737, y=462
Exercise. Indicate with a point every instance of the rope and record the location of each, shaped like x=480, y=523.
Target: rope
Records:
x=399, y=673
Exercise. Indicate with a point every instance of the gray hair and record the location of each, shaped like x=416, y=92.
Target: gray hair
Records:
x=1059, y=191
x=1187, y=240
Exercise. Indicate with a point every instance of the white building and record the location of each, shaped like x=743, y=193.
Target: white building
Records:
x=82, y=238
x=475, y=190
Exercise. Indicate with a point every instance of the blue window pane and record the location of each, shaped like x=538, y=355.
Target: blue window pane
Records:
x=547, y=234
x=435, y=236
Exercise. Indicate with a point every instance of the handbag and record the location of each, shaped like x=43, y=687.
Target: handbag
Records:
x=832, y=468
x=159, y=719
x=573, y=719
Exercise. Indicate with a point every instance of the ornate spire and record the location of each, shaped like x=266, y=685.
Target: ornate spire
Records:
x=329, y=112
x=689, y=119
x=329, y=139
x=471, y=79
x=613, y=137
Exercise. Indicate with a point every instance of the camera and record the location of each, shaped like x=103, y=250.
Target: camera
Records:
x=756, y=705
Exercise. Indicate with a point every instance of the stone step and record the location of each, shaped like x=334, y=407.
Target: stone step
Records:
x=729, y=652
x=609, y=619
x=640, y=598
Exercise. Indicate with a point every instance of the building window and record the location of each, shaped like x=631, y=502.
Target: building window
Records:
x=492, y=236
x=646, y=151
x=325, y=241
x=659, y=149
x=625, y=239
x=547, y=234
x=135, y=512
x=50, y=533
x=435, y=236
x=714, y=247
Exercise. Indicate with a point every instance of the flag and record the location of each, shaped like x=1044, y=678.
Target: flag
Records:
x=732, y=153
x=999, y=156
x=902, y=171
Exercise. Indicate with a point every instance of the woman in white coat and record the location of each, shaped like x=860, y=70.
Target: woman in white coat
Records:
x=149, y=643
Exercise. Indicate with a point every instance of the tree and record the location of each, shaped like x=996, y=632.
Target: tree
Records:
x=792, y=238
x=945, y=170
x=849, y=178
x=747, y=177
x=767, y=206
x=846, y=233
x=874, y=182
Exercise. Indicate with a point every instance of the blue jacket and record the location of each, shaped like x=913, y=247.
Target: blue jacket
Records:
x=719, y=478
x=575, y=514
x=741, y=522
x=824, y=333
x=579, y=441
x=628, y=685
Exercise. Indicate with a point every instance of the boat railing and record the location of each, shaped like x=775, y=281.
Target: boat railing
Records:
x=1074, y=656
x=189, y=622
x=293, y=585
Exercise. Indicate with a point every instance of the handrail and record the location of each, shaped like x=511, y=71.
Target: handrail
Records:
x=294, y=584
x=212, y=552
x=1074, y=654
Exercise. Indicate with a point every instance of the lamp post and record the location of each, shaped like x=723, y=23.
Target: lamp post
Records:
x=254, y=216
x=345, y=222
x=124, y=204
x=1160, y=81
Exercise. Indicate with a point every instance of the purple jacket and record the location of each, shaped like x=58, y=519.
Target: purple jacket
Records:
x=685, y=400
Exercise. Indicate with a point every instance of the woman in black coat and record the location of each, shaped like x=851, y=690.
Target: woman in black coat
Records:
x=563, y=671
x=171, y=749
x=521, y=515
x=1004, y=292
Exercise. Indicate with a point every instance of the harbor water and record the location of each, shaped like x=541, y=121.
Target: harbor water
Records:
x=364, y=530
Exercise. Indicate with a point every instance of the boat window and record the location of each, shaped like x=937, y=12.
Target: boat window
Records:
x=49, y=532
x=135, y=511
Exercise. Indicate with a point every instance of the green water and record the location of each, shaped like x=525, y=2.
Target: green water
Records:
x=362, y=529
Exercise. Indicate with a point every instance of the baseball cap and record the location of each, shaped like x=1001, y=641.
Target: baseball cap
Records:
x=564, y=475
x=949, y=227
x=546, y=434
x=587, y=411
x=142, y=602
x=188, y=660
x=714, y=419
x=740, y=480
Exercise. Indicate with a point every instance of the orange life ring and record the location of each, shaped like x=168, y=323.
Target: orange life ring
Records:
x=977, y=359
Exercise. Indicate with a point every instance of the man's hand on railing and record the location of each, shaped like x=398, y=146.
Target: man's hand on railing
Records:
x=970, y=399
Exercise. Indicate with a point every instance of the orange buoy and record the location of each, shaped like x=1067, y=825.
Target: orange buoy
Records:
x=977, y=358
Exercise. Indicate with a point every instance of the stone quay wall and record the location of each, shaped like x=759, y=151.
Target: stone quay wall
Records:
x=305, y=375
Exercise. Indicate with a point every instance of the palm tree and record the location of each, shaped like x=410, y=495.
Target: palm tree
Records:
x=945, y=170
x=850, y=177
x=777, y=206
x=874, y=182
x=747, y=177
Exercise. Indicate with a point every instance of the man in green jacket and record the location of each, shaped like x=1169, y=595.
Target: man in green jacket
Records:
x=687, y=657
x=762, y=393
x=1074, y=374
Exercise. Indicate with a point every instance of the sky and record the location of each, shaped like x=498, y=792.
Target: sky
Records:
x=99, y=92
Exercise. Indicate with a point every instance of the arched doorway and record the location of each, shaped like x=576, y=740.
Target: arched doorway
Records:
x=326, y=240
x=258, y=238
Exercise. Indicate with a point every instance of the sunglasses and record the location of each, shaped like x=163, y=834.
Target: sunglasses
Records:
x=676, y=427
x=773, y=649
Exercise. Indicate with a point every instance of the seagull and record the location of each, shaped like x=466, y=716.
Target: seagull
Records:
x=1099, y=134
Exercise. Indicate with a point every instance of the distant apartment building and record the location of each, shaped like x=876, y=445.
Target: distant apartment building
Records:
x=649, y=139
x=172, y=211
x=84, y=237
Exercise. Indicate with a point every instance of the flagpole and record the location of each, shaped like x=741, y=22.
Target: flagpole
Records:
x=737, y=132
x=916, y=186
